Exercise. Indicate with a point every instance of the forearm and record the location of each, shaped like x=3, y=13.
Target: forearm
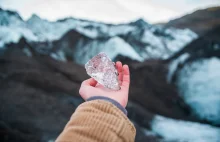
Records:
x=98, y=120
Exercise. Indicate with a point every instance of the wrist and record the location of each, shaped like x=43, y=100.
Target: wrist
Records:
x=118, y=105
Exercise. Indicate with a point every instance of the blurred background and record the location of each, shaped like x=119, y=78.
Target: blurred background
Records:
x=172, y=48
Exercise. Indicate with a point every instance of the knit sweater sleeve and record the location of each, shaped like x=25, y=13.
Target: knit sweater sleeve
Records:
x=98, y=121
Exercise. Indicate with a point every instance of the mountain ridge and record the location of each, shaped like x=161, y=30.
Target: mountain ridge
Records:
x=200, y=21
x=142, y=39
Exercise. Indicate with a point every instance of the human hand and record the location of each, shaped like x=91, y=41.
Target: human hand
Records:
x=91, y=87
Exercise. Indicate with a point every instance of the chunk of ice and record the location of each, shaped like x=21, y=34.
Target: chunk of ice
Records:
x=103, y=70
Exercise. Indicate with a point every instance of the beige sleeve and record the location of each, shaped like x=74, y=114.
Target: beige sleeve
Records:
x=98, y=121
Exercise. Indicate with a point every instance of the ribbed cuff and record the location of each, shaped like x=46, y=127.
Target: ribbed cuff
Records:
x=109, y=100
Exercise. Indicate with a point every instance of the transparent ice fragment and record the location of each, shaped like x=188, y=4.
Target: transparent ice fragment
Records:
x=103, y=70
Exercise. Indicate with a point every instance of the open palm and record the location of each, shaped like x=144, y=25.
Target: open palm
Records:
x=90, y=87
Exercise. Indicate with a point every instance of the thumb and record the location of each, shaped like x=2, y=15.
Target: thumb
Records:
x=89, y=82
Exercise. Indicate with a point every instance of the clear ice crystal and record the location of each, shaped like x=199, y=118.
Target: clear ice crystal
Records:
x=103, y=70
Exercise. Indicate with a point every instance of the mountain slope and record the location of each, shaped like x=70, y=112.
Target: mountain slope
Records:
x=200, y=21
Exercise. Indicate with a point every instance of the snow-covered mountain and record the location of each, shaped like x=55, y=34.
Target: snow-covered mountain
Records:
x=137, y=40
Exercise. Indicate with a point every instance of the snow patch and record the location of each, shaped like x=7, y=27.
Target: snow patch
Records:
x=27, y=52
x=184, y=131
x=116, y=46
x=158, y=42
x=111, y=47
x=174, y=64
x=182, y=37
x=13, y=34
x=60, y=55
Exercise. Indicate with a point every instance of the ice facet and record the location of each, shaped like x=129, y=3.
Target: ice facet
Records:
x=103, y=70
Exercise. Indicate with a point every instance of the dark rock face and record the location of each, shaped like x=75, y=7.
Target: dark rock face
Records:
x=36, y=97
x=200, y=21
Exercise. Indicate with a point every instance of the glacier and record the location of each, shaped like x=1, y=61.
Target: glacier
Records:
x=113, y=47
x=137, y=40
x=13, y=35
x=198, y=83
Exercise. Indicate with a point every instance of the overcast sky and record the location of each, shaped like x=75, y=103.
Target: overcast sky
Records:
x=110, y=11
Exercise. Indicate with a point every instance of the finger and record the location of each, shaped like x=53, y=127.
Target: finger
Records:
x=120, y=70
x=119, y=66
x=89, y=82
x=126, y=76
